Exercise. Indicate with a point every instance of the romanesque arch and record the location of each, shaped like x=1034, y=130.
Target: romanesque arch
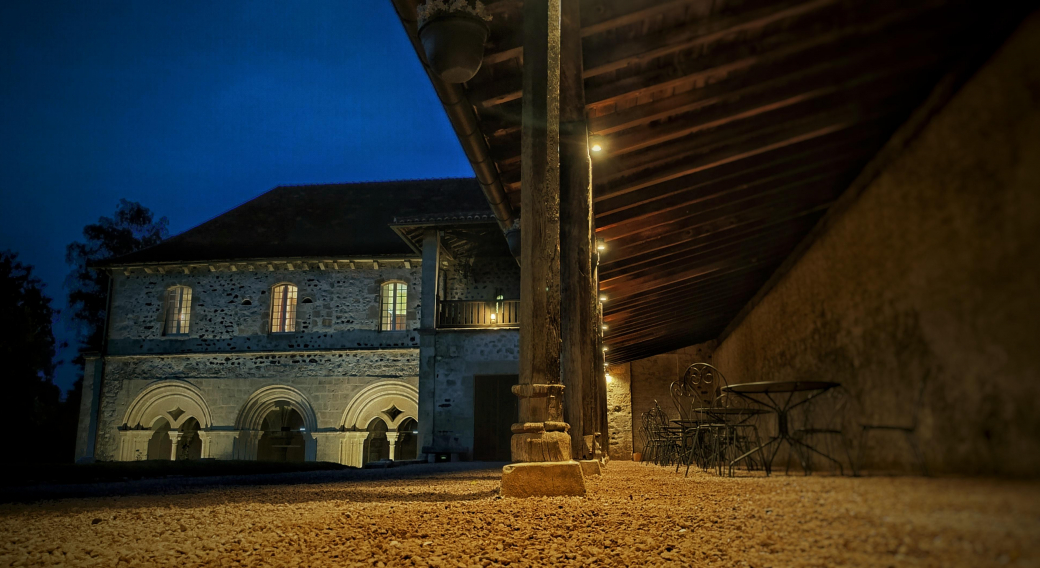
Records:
x=178, y=408
x=268, y=402
x=390, y=403
x=175, y=400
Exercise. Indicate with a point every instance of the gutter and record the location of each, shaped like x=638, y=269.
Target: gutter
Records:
x=465, y=122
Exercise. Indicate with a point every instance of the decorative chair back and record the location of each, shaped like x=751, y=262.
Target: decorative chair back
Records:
x=684, y=399
x=658, y=419
x=704, y=384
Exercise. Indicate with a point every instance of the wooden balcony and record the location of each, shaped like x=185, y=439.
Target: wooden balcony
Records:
x=469, y=314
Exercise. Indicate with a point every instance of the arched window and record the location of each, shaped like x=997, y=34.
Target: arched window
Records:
x=283, y=308
x=178, y=310
x=394, y=305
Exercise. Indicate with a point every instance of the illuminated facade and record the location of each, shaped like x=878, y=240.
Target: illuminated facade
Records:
x=234, y=340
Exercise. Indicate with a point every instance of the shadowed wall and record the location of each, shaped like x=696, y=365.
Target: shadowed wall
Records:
x=932, y=274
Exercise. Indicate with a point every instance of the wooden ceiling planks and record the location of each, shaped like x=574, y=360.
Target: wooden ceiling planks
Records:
x=728, y=128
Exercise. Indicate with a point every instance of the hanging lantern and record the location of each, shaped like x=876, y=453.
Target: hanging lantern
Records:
x=453, y=38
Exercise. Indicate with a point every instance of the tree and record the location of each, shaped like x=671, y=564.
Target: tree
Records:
x=27, y=348
x=132, y=228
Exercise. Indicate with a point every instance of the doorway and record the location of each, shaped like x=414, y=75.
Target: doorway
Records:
x=494, y=411
x=282, y=438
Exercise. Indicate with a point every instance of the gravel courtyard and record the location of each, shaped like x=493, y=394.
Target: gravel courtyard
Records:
x=451, y=515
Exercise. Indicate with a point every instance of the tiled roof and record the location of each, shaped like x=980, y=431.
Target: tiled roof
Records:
x=330, y=221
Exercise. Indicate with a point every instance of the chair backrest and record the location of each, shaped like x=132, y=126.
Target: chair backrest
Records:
x=703, y=384
x=683, y=398
x=658, y=419
x=644, y=430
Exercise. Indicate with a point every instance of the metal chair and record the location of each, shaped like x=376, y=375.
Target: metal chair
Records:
x=667, y=439
x=713, y=436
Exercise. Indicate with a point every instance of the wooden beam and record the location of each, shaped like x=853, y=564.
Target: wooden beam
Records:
x=983, y=45
x=745, y=234
x=598, y=21
x=750, y=138
x=723, y=259
x=845, y=66
x=615, y=215
x=753, y=147
x=697, y=34
x=718, y=111
x=750, y=211
x=724, y=64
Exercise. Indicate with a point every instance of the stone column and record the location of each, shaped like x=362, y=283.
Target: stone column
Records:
x=218, y=444
x=175, y=443
x=354, y=448
x=540, y=440
x=133, y=444
x=247, y=444
x=391, y=438
x=428, y=339
x=329, y=446
x=86, y=434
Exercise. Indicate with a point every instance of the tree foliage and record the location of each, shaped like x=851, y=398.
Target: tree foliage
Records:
x=27, y=347
x=133, y=227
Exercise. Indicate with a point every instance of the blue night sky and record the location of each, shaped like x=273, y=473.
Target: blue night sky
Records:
x=192, y=108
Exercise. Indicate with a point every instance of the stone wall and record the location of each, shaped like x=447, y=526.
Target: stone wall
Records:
x=483, y=278
x=652, y=377
x=460, y=356
x=230, y=311
x=619, y=411
x=931, y=277
x=328, y=379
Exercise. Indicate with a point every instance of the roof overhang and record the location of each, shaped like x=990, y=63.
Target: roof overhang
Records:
x=728, y=131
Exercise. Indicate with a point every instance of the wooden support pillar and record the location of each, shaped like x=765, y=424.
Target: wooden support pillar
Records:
x=428, y=340
x=540, y=439
x=577, y=287
x=600, y=403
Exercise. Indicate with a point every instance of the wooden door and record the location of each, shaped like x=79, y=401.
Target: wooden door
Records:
x=494, y=411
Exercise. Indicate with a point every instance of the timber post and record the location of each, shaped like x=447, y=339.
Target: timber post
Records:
x=577, y=287
x=540, y=439
x=428, y=342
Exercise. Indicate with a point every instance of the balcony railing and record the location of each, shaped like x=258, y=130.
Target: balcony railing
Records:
x=463, y=314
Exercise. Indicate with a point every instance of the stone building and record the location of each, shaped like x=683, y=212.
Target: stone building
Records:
x=297, y=326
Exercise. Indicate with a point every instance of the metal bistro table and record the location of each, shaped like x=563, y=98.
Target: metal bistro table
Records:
x=762, y=393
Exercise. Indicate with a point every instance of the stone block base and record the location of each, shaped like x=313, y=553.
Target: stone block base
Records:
x=590, y=467
x=543, y=479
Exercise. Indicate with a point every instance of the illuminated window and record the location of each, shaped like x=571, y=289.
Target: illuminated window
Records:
x=394, y=304
x=178, y=310
x=283, y=308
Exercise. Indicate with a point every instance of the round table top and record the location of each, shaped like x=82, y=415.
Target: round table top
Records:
x=728, y=410
x=780, y=386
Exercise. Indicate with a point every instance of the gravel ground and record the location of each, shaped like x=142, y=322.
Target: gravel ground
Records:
x=451, y=515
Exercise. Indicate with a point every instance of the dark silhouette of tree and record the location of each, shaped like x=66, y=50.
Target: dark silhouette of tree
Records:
x=27, y=348
x=133, y=227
